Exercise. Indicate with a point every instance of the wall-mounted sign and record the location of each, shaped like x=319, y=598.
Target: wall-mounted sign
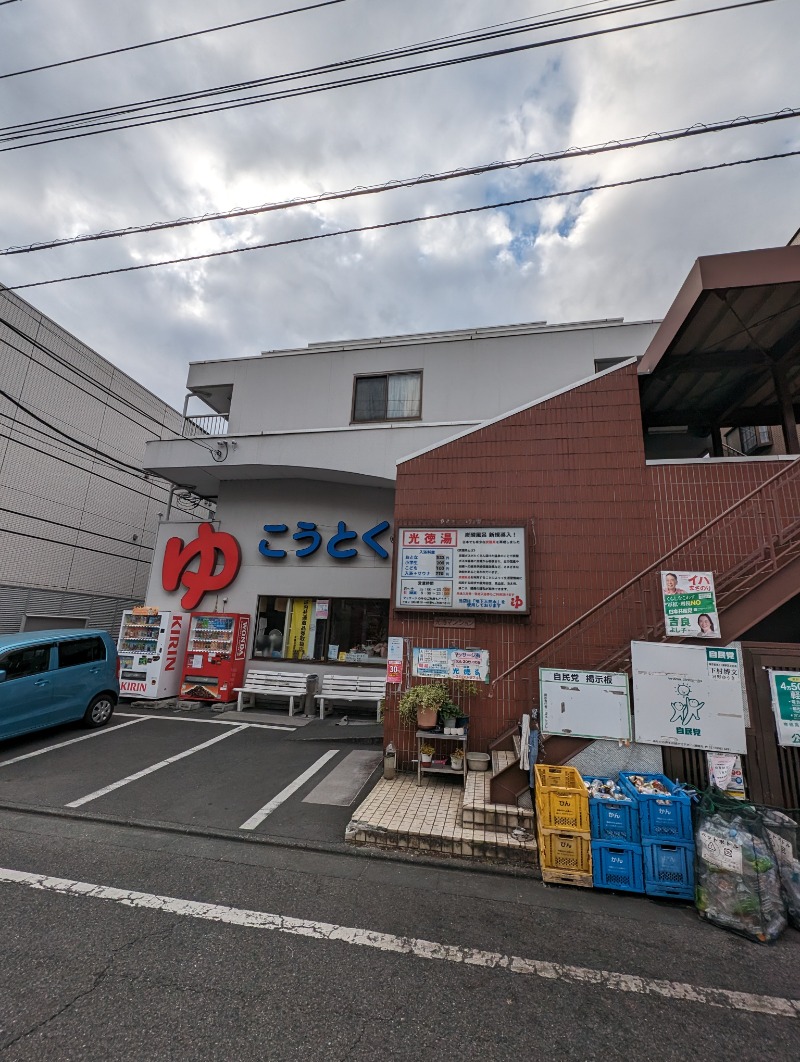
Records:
x=470, y=665
x=689, y=696
x=340, y=546
x=785, y=689
x=590, y=704
x=209, y=546
x=690, y=607
x=725, y=772
x=467, y=569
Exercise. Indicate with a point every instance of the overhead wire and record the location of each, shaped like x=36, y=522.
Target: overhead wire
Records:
x=378, y=226
x=90, y=123
x=696, y=129
x=168, y=40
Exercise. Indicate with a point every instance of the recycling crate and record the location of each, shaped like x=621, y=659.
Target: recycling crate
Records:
x=563, y=851
x=562, y=801
x=617, y=865
x=661, y=818
x=669, y=869
x=613, y=820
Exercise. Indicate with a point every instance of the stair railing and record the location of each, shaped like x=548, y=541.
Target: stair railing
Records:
x=746, y=543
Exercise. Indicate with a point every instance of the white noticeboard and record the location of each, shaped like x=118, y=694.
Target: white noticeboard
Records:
x=689, y=696
x=589, y=704
x=462, y=569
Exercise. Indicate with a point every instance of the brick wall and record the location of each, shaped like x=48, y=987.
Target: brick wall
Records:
x=571, y=470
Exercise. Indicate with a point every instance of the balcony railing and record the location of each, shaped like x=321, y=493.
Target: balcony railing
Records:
x=212, y=424
x=745, y=544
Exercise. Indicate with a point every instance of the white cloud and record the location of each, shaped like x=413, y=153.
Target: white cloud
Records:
x=610, y=253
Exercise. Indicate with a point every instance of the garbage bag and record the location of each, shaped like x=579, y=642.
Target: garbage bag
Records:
x=782, y=836
x=737, y=883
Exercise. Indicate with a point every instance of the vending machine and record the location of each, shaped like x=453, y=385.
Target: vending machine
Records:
x=150, y=647
x=216, y=653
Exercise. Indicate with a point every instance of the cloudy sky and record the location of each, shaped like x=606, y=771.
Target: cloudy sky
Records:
x=619, y=252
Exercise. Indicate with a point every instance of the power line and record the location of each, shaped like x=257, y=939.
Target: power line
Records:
x=409, y=221
x=80, y=530
x=112, y=119
x=168, y=40
x=696, y=129
x=86, y=549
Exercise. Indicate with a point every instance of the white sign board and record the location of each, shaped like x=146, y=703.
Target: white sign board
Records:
x=462, y=569
x=689, y=696
x=463, y=664
x=590, y=704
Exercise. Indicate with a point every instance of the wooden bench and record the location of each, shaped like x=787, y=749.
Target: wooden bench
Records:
x=351, y=688
x=275, y=684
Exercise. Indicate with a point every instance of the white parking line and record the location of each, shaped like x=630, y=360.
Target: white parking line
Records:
x=284, y=794
x=609, y=980
x=215, y=722
x=72, y=741
x=149, y=770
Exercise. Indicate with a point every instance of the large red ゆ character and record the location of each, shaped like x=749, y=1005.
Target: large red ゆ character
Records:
x=207, y=545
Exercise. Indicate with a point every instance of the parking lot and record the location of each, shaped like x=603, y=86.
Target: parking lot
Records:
x=253, y=778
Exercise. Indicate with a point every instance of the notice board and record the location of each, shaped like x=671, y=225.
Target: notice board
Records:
x=588, y=704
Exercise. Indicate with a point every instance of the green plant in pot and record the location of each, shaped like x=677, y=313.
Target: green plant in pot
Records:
x=419, y=705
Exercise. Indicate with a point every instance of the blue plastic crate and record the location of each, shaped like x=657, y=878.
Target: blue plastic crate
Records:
x=661, y=818
x=617, y=865
x=613, y=820
x=669, y=869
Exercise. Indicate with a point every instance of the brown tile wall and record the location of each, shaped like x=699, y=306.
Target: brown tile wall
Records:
x=572, y=471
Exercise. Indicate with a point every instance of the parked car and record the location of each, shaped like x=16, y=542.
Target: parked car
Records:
x=52, y=677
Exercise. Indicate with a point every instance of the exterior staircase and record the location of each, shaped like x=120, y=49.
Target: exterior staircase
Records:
x=754, y=546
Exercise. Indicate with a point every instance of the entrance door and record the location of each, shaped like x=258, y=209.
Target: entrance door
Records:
x=773, y=772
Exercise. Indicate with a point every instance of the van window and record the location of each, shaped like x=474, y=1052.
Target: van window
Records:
x=19, y=663
x=80, y=651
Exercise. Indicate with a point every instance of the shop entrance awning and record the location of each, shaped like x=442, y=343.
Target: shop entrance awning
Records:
x=728, y=351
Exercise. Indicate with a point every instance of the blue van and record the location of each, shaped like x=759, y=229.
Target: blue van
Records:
x=52, y=677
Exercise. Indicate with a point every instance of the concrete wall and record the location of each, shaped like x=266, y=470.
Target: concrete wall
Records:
x=73, y=519
x=466, y=375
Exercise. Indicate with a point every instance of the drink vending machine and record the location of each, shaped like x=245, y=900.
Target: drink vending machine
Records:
x=216, y=653
x=150, y=647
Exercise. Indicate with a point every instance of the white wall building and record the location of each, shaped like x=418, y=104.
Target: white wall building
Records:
x=78, y=517
x=313, y=437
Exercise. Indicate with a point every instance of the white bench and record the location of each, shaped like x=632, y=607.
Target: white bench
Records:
x=276, y=684
x=351, y=688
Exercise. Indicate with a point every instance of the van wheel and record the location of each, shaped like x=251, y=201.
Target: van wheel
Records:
x=99, y=711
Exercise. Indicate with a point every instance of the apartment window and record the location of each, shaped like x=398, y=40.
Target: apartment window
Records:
x=755, y=439
x=391, y=396
x=349, y=630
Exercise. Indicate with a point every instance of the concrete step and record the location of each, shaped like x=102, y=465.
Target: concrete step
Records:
x=502, y=759
x=479, y=811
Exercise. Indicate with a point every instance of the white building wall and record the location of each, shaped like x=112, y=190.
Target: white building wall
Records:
x=73, y=521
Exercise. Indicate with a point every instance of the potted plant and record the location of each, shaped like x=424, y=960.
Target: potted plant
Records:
x=421, y=704
x=457, y=759
x=426, y=754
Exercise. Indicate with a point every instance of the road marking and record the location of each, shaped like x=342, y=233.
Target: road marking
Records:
x=680, y=992
x=72, y=741
x=258, y=818
x=149, y=770
x=341, y=787
x=215, y=722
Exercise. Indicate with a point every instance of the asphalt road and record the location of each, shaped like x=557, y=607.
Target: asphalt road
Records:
x=195, y=939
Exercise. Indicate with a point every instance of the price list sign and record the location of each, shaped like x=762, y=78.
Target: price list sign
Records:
x=462, y=569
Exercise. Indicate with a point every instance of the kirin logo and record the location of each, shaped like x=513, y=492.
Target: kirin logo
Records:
x=208, y=546
x=173, y=643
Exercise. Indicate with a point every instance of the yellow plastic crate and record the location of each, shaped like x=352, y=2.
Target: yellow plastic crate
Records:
x=563, y=809
x=566, y=877
x=563, y=851
x=550, y=777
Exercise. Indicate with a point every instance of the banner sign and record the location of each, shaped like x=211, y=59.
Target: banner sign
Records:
x=394, y=659
x=690, y=607
x=464, y=664
x=785, y=689
x=589, y=704
x=468, y=569
x=688, y=696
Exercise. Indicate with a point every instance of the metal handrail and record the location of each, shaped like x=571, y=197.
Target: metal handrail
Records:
x=786, y=472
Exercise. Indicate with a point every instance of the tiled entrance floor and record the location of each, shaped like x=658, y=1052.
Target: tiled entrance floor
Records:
x=398, y=813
